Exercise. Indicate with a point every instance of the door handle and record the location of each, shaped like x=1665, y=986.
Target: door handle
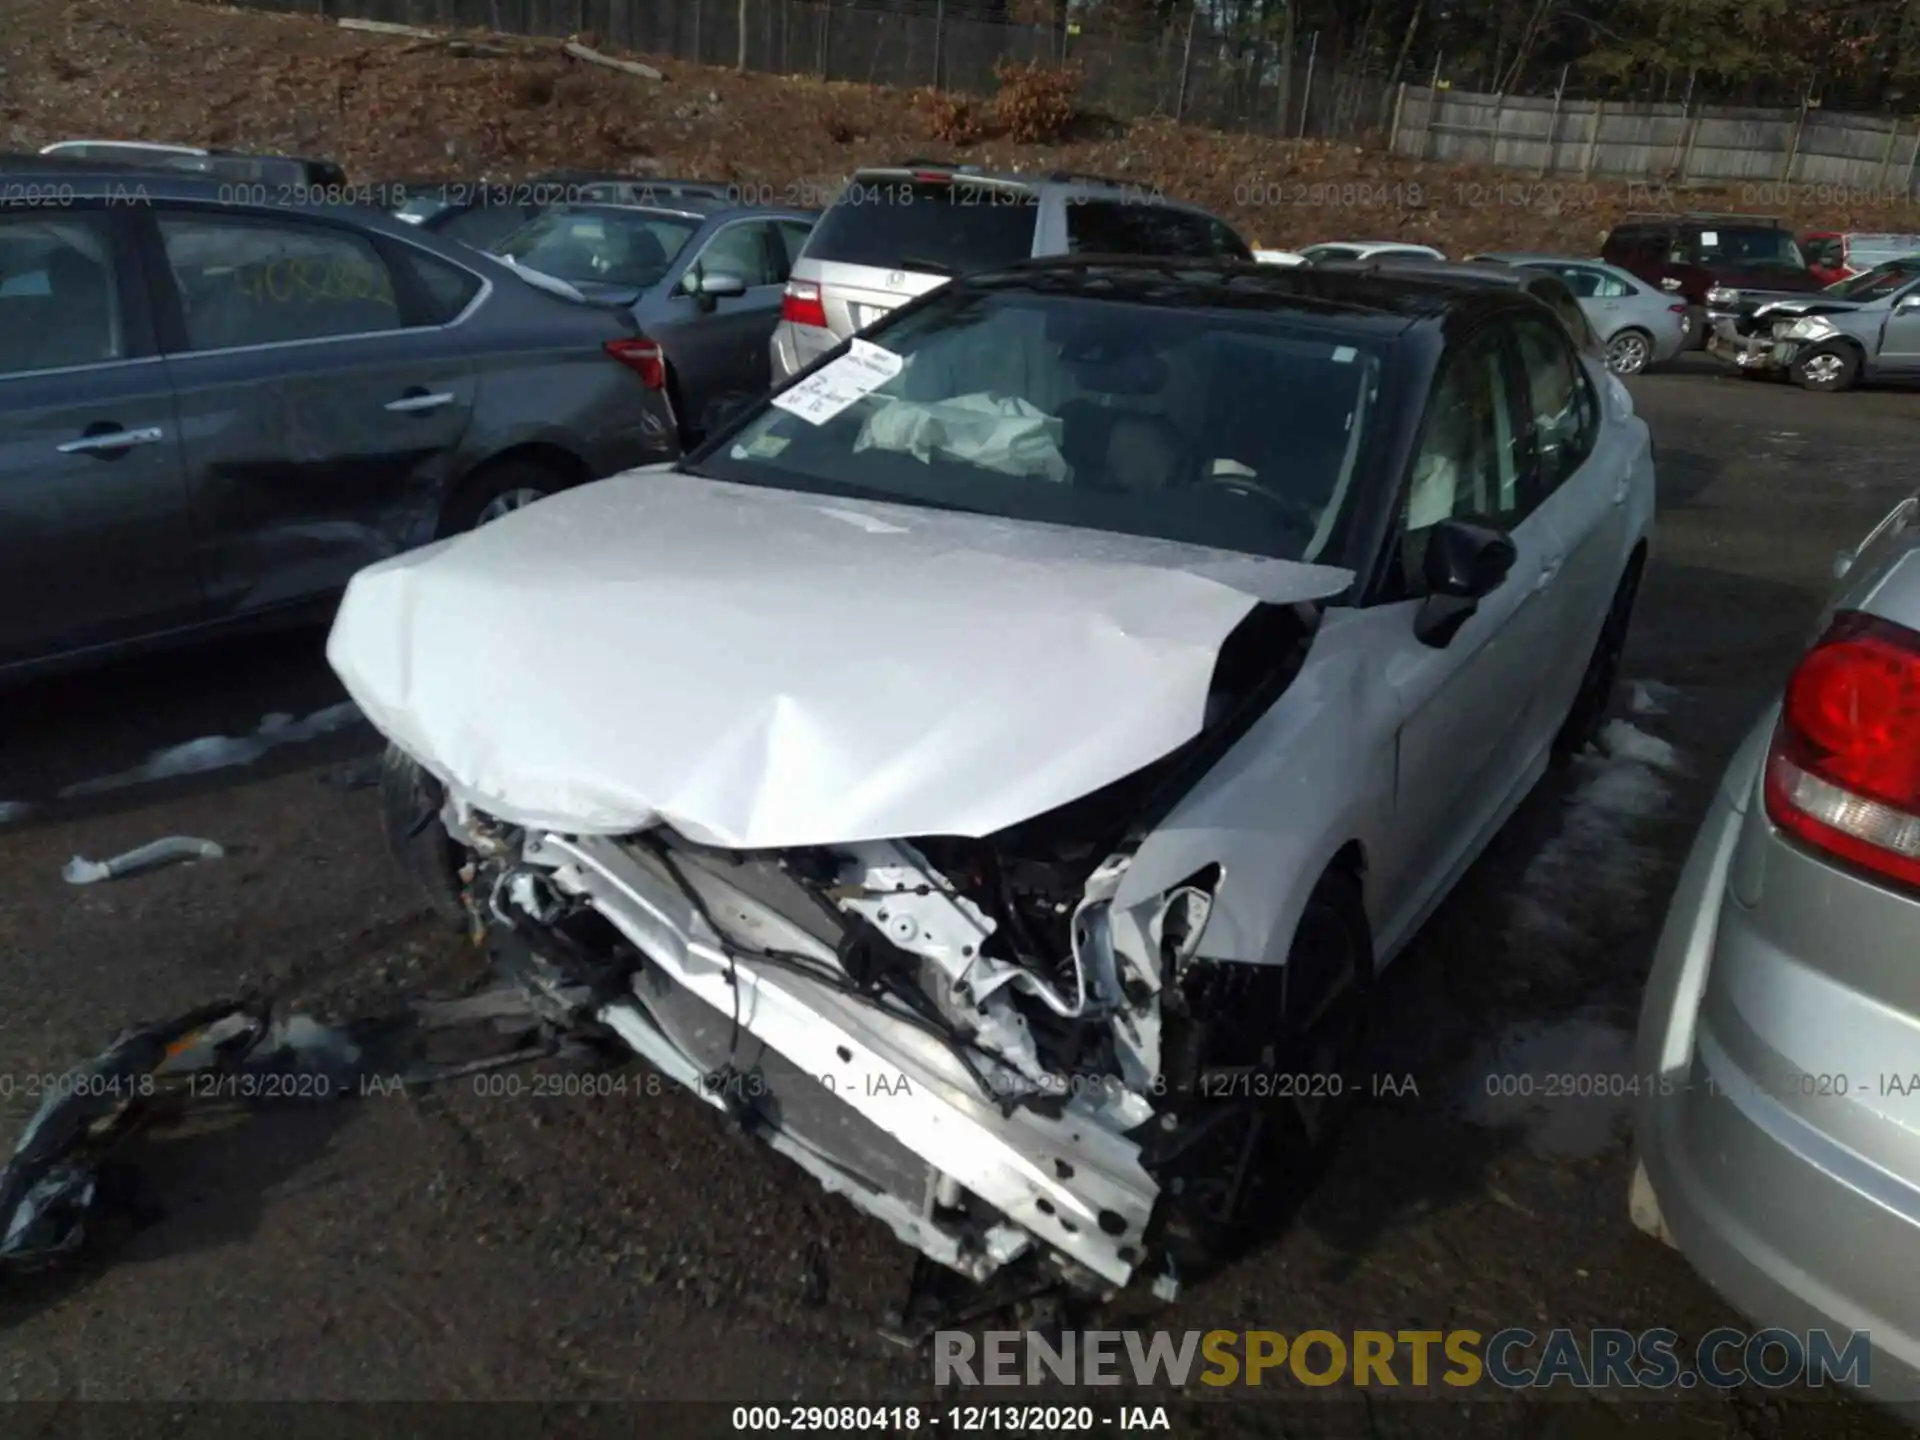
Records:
x=415, y=401
x=113, y=440
x=1549, y=568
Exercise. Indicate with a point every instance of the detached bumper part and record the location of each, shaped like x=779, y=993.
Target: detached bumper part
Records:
x=875, y=1107
x=1749, y=352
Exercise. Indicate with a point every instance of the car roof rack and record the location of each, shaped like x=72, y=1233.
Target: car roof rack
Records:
x=1670, y=216
x=1087, y=177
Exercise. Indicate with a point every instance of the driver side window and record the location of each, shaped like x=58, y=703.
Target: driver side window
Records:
x=1467, y=464
x=741, y=250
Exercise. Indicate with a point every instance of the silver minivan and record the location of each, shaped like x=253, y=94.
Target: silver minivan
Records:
x=897, y=232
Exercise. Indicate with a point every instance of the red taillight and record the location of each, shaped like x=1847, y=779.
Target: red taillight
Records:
x=644, y=358
x=1843, y=775
x=801, y=304
x=934, y=177
x=1678, y=309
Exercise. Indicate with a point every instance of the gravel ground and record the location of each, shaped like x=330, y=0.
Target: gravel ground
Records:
x=504, y=1247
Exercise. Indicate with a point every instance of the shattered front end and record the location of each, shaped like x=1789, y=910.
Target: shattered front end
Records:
x=966, y=1044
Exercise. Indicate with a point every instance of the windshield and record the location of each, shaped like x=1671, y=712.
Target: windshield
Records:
x=1747, y=245
x=1235, y=429
x=933, y=226
x=600, y=246
x=1881, y=280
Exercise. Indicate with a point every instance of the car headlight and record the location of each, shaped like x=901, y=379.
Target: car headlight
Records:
x=1721, y=295
x=1670, y=284
x=1808, y=327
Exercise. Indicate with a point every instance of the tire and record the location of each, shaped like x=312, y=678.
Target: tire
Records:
x=410, y=801
x=1828, y=369
x=495, y=489
x=1629, y=352
x=1589, y=707
x=1233, y=1170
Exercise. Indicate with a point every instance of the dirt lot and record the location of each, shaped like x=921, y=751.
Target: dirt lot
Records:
x=490, y=1246
x=503, y=1247
x=390, y=109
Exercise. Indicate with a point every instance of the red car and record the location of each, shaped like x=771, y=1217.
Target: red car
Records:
x=1836, y=255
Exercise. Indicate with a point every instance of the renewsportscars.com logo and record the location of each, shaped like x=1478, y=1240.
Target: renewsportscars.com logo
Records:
x=1513, y=1359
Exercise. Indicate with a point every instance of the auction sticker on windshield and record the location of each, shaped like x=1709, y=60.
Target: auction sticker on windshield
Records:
x=832, y=388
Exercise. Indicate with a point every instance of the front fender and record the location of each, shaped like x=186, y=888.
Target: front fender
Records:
x=1310, y=777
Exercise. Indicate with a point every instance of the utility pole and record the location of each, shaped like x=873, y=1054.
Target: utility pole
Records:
x=1286, y=68
x=740, y=59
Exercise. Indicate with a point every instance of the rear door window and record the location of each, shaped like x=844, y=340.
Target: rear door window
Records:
x=1116, y=227
x=266, y=282
x=928, y=226
x=1564, y=413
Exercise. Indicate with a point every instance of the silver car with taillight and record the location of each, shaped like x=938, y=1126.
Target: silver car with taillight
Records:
x=1779, y=1049
x=897, y=232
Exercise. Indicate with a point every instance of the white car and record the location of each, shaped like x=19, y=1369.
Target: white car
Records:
x=996, y=769
x=1368, y=250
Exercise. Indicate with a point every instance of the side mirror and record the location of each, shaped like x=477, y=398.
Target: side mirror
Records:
x=1464, y=564
x=1908, y=302
x=720, y=283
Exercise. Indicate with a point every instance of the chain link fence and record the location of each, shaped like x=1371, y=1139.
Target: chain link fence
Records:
x=1185, y=72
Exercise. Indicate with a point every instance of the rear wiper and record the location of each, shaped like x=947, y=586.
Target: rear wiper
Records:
x=930, y=267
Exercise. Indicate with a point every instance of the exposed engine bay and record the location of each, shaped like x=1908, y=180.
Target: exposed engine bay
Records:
x=967, y=1037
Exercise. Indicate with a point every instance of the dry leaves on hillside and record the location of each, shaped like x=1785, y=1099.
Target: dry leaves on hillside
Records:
x=389, y=107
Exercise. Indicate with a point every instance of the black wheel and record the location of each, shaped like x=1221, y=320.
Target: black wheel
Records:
x=1589, y=708
x=410, y=801
x=495, y=490
x=1271, y=1060
x=1832, y=367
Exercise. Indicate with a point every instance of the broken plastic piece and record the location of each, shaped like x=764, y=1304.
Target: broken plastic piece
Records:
x=151, y=856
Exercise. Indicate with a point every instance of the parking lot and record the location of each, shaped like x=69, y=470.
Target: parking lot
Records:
x=499, y=1246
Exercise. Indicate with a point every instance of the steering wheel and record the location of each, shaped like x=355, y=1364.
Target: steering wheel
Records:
x=1297, y=518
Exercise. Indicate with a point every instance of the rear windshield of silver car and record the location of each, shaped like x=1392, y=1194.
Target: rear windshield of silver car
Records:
x=896, y=223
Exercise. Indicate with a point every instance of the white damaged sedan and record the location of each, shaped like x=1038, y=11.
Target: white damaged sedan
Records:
x=997, y=768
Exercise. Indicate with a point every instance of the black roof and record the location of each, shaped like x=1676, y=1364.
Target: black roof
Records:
x=117, y=183
x=1386, y=299
x=228, y=166
x=1696, y=220
x=1455, y=272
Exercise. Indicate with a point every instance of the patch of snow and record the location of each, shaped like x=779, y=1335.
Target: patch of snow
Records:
x=11, y=810
x=1596, y=869
x=1565, y=1084
x=220, y=752
x=1622, y=740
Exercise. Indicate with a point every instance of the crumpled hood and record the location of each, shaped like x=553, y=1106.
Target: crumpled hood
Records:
x=761, y=668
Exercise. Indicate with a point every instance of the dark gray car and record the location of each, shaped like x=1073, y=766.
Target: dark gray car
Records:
x=702, y=275
x=213, y=413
